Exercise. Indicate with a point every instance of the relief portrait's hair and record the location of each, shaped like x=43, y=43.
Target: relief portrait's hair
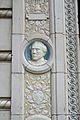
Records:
x=42, y=46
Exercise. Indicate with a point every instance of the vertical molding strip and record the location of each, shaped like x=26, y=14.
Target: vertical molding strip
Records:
x=72, y=60
x=53, y=75
x=17, y=76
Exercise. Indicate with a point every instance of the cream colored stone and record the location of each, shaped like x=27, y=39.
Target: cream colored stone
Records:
x=17, y=117
x=63, y=117
x=5, y=34
x=60, y=52
x=17, y=65
x=5, y=79
x=59, y=16
x=17, y=92
x=5, y=3
x=4, y=115
x=54, y=94
x=60, y=93
x=18, y=16
x=37, y=16
x=38, y=117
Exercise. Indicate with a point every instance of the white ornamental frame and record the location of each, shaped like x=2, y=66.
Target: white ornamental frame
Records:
x=41, y=68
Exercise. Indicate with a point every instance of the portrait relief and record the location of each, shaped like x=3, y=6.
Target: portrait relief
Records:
x=37, y=53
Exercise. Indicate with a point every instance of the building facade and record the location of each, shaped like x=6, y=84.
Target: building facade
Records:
x=39, y=60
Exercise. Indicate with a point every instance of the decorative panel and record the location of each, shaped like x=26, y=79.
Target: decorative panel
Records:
x=37, y=94
x=39, y=22
x=37, y=26
x=72, y=63
x=37, y=6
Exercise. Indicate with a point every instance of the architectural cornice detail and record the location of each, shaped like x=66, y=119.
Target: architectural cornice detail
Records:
x=5, y=13
x=5, y=56
x=5, y=103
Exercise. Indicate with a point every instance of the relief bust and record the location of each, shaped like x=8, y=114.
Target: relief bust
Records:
x=38, y=52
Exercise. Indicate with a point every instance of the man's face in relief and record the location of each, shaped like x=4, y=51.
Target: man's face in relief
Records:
x=36, y=51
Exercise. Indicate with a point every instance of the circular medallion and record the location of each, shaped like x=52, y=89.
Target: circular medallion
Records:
x=38, y=54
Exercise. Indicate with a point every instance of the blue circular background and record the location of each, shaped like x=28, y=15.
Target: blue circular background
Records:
x=27, y=51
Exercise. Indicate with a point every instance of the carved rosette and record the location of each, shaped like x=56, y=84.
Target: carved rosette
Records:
x=72, y=67
x=37, y=94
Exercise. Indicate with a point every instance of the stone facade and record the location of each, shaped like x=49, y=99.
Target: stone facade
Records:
x=39, y=60
x=5, y=58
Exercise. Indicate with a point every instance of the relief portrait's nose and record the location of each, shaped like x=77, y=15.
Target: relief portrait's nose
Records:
x=34, y=51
